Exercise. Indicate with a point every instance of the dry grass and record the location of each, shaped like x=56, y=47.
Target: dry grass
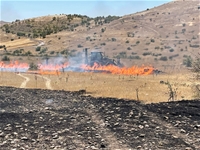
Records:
x=108, y=85
x=18, y=43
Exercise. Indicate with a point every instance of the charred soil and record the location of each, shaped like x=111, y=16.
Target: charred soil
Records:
x=47, y=119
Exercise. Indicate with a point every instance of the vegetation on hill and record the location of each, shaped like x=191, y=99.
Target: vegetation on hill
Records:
x=42, y=26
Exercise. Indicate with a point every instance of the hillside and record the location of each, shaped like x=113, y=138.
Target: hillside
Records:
x=2, y=23
x=164, y=35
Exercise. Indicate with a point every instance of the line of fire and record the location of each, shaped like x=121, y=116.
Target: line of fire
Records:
x=96, y=61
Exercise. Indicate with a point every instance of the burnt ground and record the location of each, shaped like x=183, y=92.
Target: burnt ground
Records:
x=45, y=119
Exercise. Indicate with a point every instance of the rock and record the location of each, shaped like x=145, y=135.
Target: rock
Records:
x=93, y=147
x=182, y=131
x=24, y=138
x=103, y=146
x=2, y=134
x=197, y=126
x=8, y=129
x=142, y=135
x=141, y=126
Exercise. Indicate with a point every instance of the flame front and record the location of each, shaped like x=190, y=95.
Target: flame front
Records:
x=134, y=70
x=14, y=66
x=51, y=69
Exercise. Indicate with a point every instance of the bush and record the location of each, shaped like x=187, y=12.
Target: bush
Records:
x=38, y=48
x=171, y=50
x=171, y=57
x=2, y=46
x=187, y=61
x=152, y=40
x=129, y=48
x=194, y=46
x=113, y=39
x=20, y=34
x=146, y=53
x=33, y=66
x=164, y=58
x=5, y=58
x=134, y=57
x=79, y=46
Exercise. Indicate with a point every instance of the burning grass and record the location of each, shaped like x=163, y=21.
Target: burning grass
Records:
x=108, y=85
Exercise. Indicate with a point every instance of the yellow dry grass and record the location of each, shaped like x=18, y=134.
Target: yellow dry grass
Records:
x=108, y=85
x=18, y=43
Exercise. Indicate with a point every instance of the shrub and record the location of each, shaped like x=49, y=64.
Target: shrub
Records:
x=128, y=48
x=38, y=48
x=20, y=34
x=152, y=40
x=171, y=50
x=127, y=41
x=2, y=46
x=163, y=58
x=187, y=61
x=134, y=57
x=146, y=53
x=113, y=39
x=79, y=46
x=194, y=46
x=52, y=52
x=137, y=42
x=33, y=66
x=5, y=58
x=171, y=57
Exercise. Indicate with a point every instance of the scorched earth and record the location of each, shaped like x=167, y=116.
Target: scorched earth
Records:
x=46, y=119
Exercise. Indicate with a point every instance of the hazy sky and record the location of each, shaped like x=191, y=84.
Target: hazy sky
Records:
x=24, y=9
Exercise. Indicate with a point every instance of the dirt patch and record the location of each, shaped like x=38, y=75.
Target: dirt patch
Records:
x=46, y=119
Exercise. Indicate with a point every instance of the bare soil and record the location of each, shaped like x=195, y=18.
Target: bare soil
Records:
x=46, y=119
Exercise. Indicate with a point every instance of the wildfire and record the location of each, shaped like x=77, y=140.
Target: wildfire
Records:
x=14, y=66
x=51, y=69
x=117, y=70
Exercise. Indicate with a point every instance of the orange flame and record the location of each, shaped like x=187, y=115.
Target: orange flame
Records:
x=117, y=70
x=15, y=65
x=53, y=67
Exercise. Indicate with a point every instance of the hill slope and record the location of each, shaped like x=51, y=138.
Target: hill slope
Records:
x=164, y=35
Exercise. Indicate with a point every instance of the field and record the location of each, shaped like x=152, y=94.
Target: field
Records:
x=148, y=88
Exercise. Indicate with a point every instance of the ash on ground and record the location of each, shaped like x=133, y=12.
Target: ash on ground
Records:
x=46, y=119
